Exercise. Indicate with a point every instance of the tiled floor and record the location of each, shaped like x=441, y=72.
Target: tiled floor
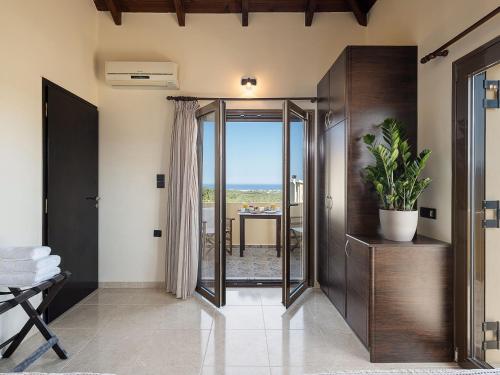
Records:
x=145, y=331
x=259, y=263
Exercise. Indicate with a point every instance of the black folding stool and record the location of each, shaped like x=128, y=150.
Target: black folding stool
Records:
x=49, y=290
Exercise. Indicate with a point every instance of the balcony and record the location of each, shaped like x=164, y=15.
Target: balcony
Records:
x=260, y=260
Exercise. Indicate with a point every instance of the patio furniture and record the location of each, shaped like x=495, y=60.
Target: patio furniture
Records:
x=296, y=232
x=208, y=231
x=261, y=216
x=48, y=289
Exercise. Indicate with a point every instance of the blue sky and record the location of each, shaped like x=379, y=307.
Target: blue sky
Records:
x=253, y=152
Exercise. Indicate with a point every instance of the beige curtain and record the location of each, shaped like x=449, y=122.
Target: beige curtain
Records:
x=182, y=203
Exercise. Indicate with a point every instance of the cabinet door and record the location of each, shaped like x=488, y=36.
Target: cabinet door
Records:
x=323, y=94
x=358, y=288
x=336, y=229
x=337, y=89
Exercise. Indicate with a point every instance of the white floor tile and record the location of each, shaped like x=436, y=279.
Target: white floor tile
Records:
x=237, y=348
x=150, y=332
x=240, y=317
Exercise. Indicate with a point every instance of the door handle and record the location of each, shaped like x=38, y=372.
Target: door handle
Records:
x=96, y=199
x=345, y=247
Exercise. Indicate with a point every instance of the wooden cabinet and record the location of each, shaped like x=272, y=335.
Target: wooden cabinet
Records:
x=358, y=288
x=338, y=90
x=322, y=219
x=400, y=298
x=335, y=153
x=364, y=86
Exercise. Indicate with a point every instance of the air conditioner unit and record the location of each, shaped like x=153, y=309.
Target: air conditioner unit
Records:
x=129, y=73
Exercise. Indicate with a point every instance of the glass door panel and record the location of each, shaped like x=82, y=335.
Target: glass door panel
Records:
x=211, y=211
x=492, y=235
x=295, y=202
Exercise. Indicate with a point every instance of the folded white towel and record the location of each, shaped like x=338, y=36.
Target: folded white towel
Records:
x=26, y=279
x=10, y=265
x=24, y=252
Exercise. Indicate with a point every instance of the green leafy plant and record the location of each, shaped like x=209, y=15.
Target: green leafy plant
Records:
x=395, y=173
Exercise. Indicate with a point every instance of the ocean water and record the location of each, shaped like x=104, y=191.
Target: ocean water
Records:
x=246, y=187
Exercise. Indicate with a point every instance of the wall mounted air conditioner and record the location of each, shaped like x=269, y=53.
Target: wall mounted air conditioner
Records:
x=130, y=73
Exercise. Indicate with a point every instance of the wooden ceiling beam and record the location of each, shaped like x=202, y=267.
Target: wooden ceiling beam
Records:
x=310, y=9
x=181, y=14
x=244, y=13
x=115, y=11
x=360, y=15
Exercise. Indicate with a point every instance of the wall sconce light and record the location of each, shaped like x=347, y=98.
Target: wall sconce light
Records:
x=249, y=82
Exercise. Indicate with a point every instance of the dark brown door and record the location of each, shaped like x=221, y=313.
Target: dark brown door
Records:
x=295, y=202
x=358, y=288
x=71, y=192
x=211, y=179
x=335, y=143
x=323, y=94
x=337, y=90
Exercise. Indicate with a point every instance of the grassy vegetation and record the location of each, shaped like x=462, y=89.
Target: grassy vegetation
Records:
x=240, y=196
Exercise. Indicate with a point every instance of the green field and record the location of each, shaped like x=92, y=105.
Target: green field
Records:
x=245, y=196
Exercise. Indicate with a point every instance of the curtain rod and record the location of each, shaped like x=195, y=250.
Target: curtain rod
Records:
x=442, y=51
x=188, y=98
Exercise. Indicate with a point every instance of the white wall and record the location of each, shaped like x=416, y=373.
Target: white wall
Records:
x=214, y=52
x=429, y=24
x=55, y=39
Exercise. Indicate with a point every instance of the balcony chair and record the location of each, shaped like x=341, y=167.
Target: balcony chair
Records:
x=208, y=231
x=296, y=231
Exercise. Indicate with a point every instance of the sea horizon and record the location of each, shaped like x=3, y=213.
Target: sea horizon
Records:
x=248, y=187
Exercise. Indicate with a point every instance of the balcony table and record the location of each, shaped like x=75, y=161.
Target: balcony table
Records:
x=262, y=216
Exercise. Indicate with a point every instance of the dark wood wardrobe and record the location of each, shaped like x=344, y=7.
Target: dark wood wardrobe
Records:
x=365, y=85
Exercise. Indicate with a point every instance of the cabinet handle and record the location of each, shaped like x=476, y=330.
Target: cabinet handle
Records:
x=345, y=247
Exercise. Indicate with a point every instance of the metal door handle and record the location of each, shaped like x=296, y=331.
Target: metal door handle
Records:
x=96, y=199
x=345, y=247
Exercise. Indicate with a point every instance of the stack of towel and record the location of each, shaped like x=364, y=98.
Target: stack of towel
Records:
x=27, y=266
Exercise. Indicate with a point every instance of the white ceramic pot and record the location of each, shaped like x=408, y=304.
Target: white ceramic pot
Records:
x=398, y=225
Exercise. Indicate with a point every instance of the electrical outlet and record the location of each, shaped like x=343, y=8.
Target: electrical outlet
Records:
x=157, y=233
x=429, y=213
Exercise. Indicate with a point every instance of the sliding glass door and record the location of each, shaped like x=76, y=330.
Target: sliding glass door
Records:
x=211, y=172
x=295, y=198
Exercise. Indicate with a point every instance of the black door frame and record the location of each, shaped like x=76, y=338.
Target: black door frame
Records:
x=288, y=296
x=465, y=258
x=276, y=115
x=218, y=298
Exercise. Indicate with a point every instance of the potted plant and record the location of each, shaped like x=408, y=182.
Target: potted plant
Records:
x=395, y=177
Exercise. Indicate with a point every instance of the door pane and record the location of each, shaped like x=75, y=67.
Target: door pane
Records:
x=297, y=179
x=492, y=235
x=208, y=243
